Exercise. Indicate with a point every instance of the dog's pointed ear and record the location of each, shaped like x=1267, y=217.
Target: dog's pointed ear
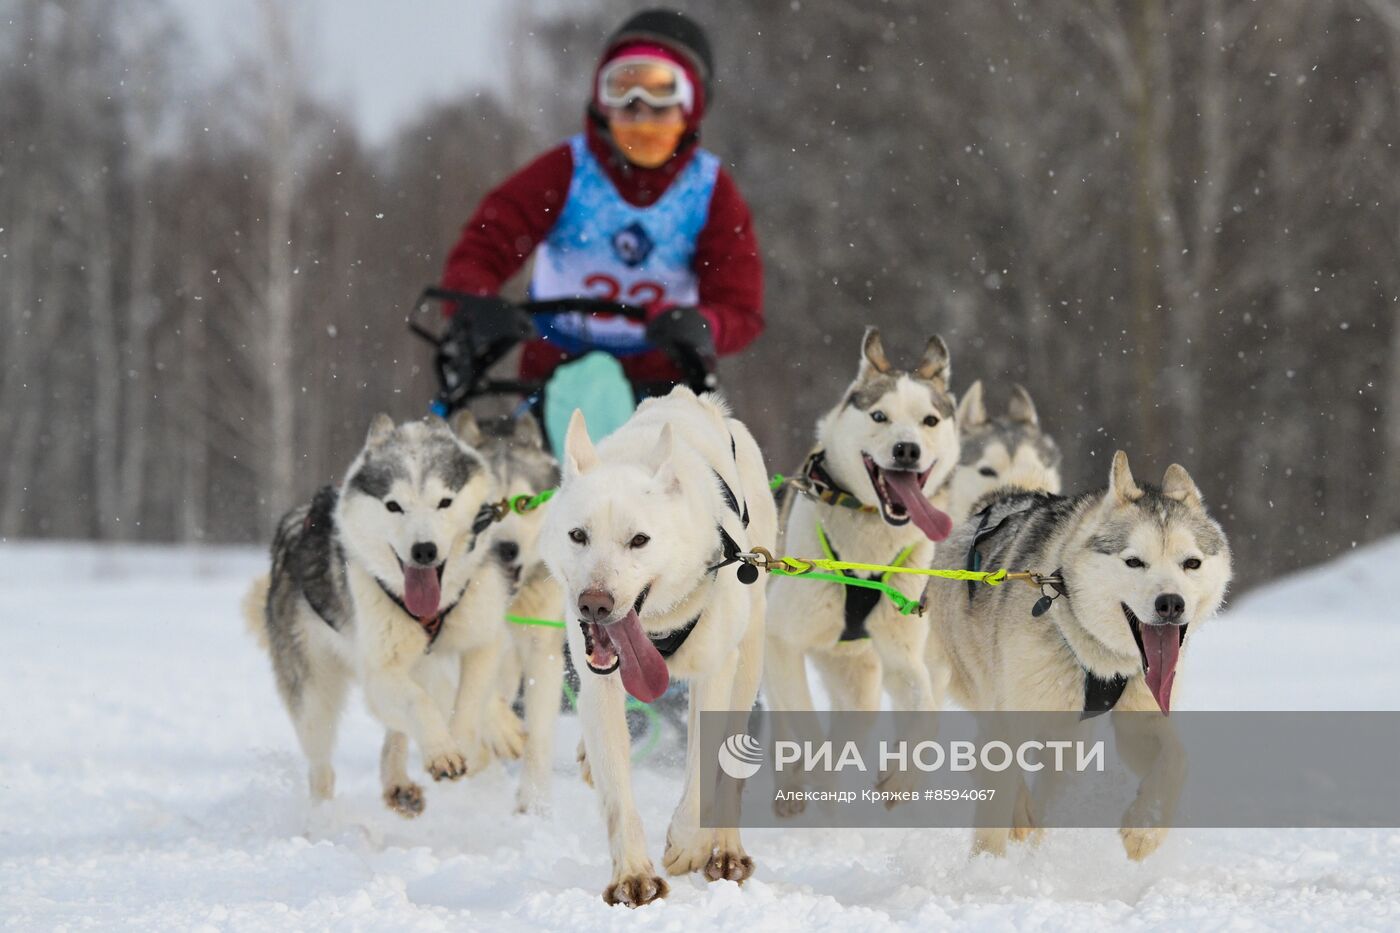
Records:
x=1177, y=484
x=934, y=366
x=1022, y=409
x=666, y=473
x=872, y=353
x=527, y=431
x=464, y=426
x=1123, y=488
x=379, y=430
x=579, y=455
x=971, y=410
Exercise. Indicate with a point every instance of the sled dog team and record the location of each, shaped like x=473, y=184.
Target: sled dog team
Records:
x=401, y=580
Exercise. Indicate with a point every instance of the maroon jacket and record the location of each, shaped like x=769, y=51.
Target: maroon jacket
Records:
x=516, y=216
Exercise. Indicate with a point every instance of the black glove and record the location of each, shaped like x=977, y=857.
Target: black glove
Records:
x=489, y=326
x=682, y=329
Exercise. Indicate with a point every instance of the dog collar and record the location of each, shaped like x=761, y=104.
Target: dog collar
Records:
x=817, y=483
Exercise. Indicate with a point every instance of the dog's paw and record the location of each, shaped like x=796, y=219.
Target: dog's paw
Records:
x=507, y=733
x=1023, y=828
x=1141, y=841
x=991, y=841
x=636, y=889
x=687, y=851
x=405, y=799
x=448, y=766
x=585, y=771
x=531, y=798
x=729, y=866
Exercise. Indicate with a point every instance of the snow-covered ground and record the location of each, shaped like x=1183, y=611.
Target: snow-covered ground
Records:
x=149, y=779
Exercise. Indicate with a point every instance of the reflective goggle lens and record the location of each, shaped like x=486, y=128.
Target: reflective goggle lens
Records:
x=659, y=83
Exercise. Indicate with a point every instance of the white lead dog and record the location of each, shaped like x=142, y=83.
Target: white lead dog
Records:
x=642, y=536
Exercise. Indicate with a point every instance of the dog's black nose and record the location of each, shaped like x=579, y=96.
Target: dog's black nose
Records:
x=906, y=455
x=424, y=552
x=1170, y=607
x=594, y=605
x=507, y=551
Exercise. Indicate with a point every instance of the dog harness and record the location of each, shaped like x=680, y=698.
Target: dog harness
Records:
x=817, y=483
x=729, y=550
x=860, y=601
x=1101, y=694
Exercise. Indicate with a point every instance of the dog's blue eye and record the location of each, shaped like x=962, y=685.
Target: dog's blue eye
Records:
x=444, y=503
x=931, y=421
x=1192, y=563
x=879, y=417
x=393, y=506
x=988, y=471
x=578, y=536
x=639, y=540
x=1134, y=563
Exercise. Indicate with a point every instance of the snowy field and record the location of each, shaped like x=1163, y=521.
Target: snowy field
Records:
x=149, y=779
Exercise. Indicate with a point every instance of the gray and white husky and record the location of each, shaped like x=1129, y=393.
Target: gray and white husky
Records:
x=642, y=537
x=382, y=581
x=1141, y=566
x=534, y=659
x=890, y=442
x=1010, y=449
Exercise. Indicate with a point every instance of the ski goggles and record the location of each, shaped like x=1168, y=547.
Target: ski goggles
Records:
x=655, y=81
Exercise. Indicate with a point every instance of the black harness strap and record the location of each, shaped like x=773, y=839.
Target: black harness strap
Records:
x=668, y=644
x=974, y=556
x=860, y=602
x=1101, y=695
x=825, y=488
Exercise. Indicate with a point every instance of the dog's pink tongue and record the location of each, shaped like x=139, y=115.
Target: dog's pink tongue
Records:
x=421, y=591
x=910, y=492
x=644, y=672
x=1162, y=644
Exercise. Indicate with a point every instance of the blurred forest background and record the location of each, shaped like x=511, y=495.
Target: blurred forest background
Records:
x=1177, y=223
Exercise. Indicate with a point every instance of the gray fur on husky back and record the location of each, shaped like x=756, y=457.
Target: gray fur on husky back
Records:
x=307, y=561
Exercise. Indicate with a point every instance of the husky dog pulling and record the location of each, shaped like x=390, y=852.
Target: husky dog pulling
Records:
x=535, y=654
x=382, y=581
x=1006, y=450
x=1140, y=566
x=644, y=537
x=890, y=442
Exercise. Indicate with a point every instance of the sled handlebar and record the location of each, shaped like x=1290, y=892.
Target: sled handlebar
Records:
x=462, y=377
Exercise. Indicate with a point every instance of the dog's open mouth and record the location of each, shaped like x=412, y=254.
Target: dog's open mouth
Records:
x=624, y=644
x=902, y=499
x=1160, y=647
x=422, y=588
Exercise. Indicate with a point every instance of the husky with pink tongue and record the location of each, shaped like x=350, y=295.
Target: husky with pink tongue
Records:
x=642, y=537
x=388, y=580
x=1139, y=567
x=863, y=495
